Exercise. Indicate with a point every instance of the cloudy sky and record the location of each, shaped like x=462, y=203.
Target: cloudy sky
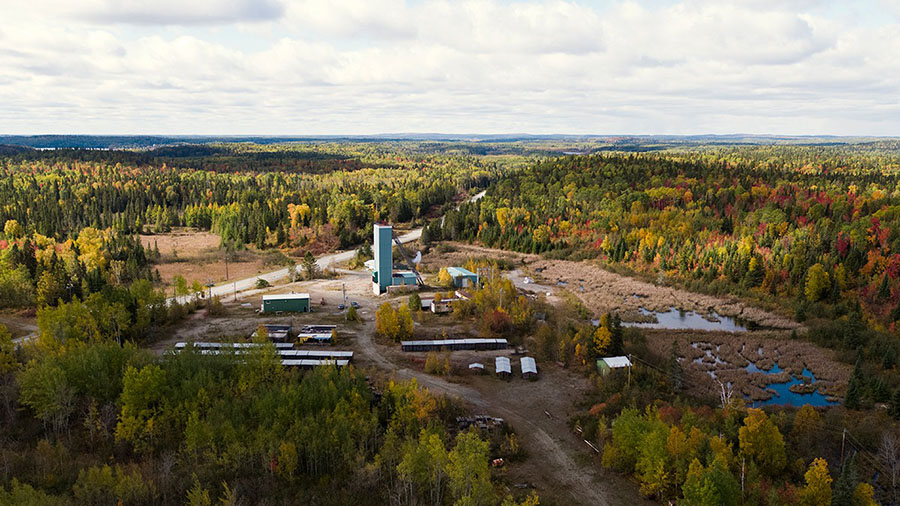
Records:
x=291, y=67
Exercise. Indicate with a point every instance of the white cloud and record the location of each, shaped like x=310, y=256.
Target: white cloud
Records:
x=318, y=66
x=165, y=12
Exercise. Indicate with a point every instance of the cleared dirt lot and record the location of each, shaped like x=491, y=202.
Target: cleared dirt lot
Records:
x=196, y=255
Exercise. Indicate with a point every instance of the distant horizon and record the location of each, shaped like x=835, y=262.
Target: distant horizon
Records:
x=454, y=135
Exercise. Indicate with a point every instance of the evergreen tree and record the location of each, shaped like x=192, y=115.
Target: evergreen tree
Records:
x=845, y=485
x=617, y=338
x=854, y=388
x=676, y=374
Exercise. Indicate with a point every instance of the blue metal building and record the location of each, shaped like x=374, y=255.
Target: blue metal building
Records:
x=384, y=261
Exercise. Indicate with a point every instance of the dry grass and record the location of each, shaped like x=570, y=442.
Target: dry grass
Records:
x=603, y=291
x=196, y=255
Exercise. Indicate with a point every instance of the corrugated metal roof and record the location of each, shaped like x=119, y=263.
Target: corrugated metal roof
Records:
x=286, y=296
x=313, y=363
x=476, y=365
x=202, y=344
x=294, y=354
x=449, y=342
x=459, y=271
x=502, y=365
x=617, y=362
x=528, y=365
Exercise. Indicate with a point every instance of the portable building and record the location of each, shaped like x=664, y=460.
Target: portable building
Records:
x=442, y=306
x=608, y=364
x=501, y=365
x=277, y=333
x=287, y=302
x=314, y=337
x=529, y=368
x=317, y=329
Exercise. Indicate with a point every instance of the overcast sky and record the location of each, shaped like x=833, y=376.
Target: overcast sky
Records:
x=292, y=67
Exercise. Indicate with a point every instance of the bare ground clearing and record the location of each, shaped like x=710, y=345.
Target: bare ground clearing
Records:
x=562, y=468
x=197, y=255
x=19, y=323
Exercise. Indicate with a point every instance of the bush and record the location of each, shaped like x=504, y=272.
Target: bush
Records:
x=262, y=283
x=216, y=308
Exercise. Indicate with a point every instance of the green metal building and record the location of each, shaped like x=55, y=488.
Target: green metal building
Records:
x=286, y=302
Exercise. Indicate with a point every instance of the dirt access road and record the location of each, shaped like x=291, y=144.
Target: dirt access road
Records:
x=323, y=262
x=559, y=463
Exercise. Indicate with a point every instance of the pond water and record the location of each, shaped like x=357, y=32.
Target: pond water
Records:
x=677, y=319
x=783, y=395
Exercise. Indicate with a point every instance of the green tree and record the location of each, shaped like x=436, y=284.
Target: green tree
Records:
x=414, y=302
x=713, y=486
x=181, y=285
x=353, y=314
x=22, y=494
x=45, y=389
x=425, y=463
x=15, y=287
x=142, y=392
x=310, y=268
x=617, y=336
x=854, y=387
x=49, y=289
x=468, y=471
x=95, y=486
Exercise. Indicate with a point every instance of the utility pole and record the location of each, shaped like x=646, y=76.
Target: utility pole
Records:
x=843, y=439
x=629, y=369
x=234, y=287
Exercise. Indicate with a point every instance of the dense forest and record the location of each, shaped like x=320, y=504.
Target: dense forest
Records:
x=71, y=216
x=89, y=418
x=816, y=227
x=814, y=230
x=104, y=423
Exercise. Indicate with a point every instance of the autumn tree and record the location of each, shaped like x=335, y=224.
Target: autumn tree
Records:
x=761, y=441
x=387, y=323
x=817, y=491
x=444, y=279
x=817, y=283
